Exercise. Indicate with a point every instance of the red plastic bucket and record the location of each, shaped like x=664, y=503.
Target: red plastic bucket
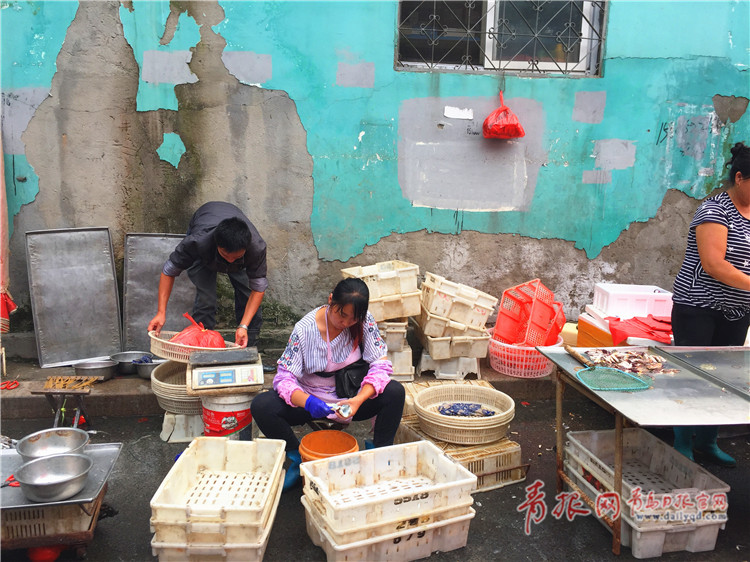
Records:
x=225, y=416
x=326, y=443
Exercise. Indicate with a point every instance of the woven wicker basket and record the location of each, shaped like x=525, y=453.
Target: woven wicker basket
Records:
x=162, y=347
x=168, y=381
x=464, y=430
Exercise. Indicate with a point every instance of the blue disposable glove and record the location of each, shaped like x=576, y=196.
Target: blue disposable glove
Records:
x=316, y=407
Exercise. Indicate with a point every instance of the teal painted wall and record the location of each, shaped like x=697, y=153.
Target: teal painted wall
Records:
x=664, y=62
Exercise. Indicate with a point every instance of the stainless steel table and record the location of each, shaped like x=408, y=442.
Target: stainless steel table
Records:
x=687, y=397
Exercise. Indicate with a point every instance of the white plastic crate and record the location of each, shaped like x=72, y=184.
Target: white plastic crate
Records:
x=495, y=464
x=225, y=542
x=627, y=301
x=386, y=278
x=455, y=346
x=411, y=544
x=219, y=480
x=316, y=515
x=393, y=333
x=386, y=484
x=456, y=301
x=402, y=361
x=395, y=306
x=648, y=463
x=655, y=540
x=438, y=326
x=455, y=368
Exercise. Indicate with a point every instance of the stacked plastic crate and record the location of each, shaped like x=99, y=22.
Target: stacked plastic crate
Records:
x=496, y=464
x=528, y=316
x=394, y=296
x=218, y=501
x=669, y=503
x=451, y=327
x=402, y=502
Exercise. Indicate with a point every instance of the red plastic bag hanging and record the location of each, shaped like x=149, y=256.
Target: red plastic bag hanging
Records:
x=502, y=124
x=198, y=336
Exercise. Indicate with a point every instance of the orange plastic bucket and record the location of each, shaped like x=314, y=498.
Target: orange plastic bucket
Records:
x=326, y=443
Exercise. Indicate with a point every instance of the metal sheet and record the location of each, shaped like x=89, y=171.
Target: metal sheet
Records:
x=104, y=456
x=726, y=366
x=145, y=255
x=74, y=299
x=684, y=398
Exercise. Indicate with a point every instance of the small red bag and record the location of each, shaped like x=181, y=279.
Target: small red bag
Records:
x=502, y=124
x=198, y=336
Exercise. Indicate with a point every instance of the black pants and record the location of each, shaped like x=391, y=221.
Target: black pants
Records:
x=275, y=417
x=204, y=307
x=696, y=326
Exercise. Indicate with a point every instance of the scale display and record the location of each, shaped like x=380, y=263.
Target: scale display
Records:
x=203, y=378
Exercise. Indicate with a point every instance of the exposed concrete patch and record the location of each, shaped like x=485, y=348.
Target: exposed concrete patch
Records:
x=18, y=108
x=692, y=135
x=614, y=154
x=730, y=108
x=248, y=67
x=160, y=67
x=589, y=107
x=357, y=75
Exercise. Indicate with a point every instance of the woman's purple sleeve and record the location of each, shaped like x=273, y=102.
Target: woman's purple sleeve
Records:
x=379, y=375
x=285, y=383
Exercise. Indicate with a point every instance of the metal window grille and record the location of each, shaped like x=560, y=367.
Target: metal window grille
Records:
x=537, y=37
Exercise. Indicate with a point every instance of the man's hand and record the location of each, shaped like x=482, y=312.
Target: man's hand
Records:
x=240, y=336
x=157, y=322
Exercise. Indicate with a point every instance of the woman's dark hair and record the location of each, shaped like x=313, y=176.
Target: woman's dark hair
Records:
x=740, y=161
x=352, y=291
x=232, y=234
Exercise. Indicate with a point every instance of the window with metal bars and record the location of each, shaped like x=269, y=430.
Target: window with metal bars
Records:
x=525, y=36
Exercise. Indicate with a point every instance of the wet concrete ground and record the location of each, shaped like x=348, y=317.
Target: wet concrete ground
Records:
x=496, y=533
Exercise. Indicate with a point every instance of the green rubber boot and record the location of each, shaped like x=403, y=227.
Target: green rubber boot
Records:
x=292, y=477
x=683, y=440
x=705, y=444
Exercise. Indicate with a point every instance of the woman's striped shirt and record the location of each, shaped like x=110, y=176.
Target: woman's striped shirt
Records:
x=693, y=286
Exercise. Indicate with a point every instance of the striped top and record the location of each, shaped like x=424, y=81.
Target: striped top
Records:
x=306, y=352
x=693, y=286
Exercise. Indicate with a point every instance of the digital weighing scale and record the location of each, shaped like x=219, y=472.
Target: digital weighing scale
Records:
x=233, y=371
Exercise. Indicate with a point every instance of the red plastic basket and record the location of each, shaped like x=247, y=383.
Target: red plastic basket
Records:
x=519, y=360
x=529, y=315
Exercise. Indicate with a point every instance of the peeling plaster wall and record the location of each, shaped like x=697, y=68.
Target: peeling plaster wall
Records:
x=149, y=108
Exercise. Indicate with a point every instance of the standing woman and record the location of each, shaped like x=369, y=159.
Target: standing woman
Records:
x=322, y=342
x=712, y=290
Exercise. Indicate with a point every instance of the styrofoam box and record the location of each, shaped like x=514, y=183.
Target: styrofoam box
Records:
x=456, y=301
x=411, y=544
x=215, y=541
x=627, y=301
x=455, y=368
x=386, y=278
x=219, y=480
x=653, y=541
x=401, y=361
x=314, y=511
x=385, y=484
x=395, y=306
x=393, y=333
x=495, y=464
x=648, y=463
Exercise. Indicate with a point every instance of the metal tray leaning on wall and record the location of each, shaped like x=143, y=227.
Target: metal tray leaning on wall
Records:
x=145, y=255
x=74, y=299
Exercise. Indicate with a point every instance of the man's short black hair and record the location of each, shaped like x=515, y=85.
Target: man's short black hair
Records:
x=232, y=234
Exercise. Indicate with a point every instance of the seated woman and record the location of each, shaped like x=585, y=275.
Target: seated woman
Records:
x=325, y=340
